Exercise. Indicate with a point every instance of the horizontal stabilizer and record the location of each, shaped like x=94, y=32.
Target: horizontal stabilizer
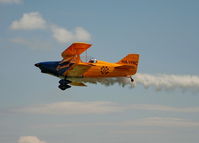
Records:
x=126, y=67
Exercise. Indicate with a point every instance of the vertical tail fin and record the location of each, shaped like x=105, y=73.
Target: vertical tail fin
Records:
x=130, y=59
x=130, y=62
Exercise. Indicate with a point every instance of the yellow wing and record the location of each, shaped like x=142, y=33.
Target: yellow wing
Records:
x=75, y=49
x=78, y=69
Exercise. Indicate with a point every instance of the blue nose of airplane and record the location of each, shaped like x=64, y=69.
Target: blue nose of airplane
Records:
x=42, y=66
x=48, y=67
x=37, y=65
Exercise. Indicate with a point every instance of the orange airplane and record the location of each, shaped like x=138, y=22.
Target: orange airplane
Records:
x=73, y=71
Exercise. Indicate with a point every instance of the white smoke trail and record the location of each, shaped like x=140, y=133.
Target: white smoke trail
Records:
x=122, y=81
x=158, y=81
x=169, y=82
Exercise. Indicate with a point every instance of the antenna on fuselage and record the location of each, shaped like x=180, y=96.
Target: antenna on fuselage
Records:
x=86, y=56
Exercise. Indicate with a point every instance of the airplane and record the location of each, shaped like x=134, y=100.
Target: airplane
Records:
x=73, y=71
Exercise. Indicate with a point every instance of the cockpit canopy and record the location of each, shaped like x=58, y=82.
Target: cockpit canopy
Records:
x=92, y=61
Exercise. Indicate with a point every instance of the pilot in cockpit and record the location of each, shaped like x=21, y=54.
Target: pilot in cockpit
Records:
x=93, y=61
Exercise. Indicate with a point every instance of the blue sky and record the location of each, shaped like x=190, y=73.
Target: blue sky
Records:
x=162, y=107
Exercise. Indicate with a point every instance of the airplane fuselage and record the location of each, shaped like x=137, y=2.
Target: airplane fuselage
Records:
x=98, y=69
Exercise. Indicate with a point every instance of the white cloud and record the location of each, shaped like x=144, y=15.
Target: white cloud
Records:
x=73, y=108
x=30, y=139
x=153, y=107
x=81, y=34
x=143, y=122
x=11, y=1
x=77, y=108
x=63, y=35
x=34, y=20
x=161, y=122
x=99, y=108
x=29, y=21
x=139, y=131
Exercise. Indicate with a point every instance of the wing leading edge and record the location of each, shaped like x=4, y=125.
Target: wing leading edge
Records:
x=75, y=49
